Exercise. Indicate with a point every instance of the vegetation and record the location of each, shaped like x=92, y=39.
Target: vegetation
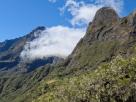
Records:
x=111, y=82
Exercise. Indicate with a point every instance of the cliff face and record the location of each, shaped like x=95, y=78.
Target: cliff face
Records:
x=107, y=36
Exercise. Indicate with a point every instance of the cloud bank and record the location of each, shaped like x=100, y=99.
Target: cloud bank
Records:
x=61, y=40
x=54, y=41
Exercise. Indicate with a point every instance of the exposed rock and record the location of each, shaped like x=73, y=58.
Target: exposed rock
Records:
x=105, y=16
x=106, y=37
x=132, y=19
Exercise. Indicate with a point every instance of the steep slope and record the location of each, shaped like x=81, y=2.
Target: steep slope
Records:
x=106, y=37
x=102, y=67
x=110, y=82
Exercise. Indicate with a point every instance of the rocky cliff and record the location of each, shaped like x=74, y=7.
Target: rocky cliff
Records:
x=107, y=36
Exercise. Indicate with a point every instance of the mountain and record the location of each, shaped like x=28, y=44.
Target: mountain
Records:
x=107, y=36
x=101, y=68
x=17, y=75
x=10, y=51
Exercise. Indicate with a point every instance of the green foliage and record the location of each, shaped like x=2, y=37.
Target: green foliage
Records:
x=111, y=82
x=13, y=87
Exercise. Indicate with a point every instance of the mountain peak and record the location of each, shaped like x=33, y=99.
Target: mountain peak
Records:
x=39, y=28
x=104, y=16
x=35, y=33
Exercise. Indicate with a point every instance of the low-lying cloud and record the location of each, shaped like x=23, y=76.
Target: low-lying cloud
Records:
x=54, y=41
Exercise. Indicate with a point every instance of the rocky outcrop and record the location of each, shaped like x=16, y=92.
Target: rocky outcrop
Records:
x=107, y=36
x=132, y=19
x=104, y=16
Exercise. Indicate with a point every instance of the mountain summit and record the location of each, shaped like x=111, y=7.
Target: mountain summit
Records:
x=105, y=16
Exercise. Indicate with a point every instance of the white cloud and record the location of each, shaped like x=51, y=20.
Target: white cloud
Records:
x=54, y=41
x=82, y=13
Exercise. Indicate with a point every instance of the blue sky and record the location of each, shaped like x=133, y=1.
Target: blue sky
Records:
x=19, y=17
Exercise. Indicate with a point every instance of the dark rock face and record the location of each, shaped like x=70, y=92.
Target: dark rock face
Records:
x=34, y=64
x=105, y=16
x=132, y=19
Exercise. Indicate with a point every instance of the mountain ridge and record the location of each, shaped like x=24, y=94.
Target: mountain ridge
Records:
x=101, y=68
x=10, y=53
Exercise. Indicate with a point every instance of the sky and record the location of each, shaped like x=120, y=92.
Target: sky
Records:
x=19, y=17
x=66, y=22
